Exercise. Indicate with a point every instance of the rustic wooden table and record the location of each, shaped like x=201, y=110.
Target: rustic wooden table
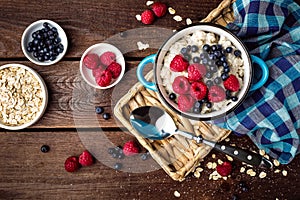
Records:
x=70, y=125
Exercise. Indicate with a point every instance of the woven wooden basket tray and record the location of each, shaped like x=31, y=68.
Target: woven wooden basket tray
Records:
x=178, y=156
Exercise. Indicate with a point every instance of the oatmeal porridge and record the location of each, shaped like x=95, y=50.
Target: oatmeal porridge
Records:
x=202, y=72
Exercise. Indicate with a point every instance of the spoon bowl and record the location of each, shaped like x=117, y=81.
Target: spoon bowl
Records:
x=156, y=124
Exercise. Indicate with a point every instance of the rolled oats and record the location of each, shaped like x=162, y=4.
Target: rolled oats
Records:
x=20, y=96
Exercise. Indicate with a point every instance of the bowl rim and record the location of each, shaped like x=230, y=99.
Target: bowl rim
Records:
x=204, y=117
x=26, y=33
x=45, y=97
x=109, y=47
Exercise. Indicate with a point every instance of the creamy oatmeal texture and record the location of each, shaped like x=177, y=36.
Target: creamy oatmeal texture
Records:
x=200, y=38
x=21, y=96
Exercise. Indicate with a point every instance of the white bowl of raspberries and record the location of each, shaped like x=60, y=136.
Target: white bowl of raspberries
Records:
x=102, y=66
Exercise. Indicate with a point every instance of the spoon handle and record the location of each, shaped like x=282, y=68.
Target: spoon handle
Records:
x=248, y=157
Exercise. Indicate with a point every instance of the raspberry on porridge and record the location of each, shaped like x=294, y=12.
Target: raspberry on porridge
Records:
x=207, y=68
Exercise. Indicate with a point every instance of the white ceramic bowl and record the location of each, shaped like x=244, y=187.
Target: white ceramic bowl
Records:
x=99, y=49
x=27, y=37
x=44, y=100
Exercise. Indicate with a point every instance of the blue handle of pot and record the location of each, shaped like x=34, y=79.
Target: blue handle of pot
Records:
x=264, y=73
x=140, y=69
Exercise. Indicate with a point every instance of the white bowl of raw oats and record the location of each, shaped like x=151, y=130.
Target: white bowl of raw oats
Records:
x=24, y=96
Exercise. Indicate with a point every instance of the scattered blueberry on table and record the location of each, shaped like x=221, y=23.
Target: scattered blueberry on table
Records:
x=45, y=148
x=46, y=44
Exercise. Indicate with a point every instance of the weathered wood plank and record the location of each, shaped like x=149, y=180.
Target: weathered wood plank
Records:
x=88, y=22
x=72, y=102
x=27, y=173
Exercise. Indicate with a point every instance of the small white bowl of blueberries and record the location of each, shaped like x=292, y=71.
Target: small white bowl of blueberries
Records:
x=44, y=42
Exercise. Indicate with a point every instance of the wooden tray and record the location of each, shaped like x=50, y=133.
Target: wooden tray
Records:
x=178, y=156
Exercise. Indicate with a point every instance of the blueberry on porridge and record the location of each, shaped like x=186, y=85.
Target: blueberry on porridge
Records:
x=203, y=72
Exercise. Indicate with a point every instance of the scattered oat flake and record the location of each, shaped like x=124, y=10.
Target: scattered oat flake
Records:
x=262, y=174
x=199, y=169
x=276, y=163
x=262, y=152
x=138, y=17
x=176, y=194
x=188, y=21
x=209, y=165
x=227, y=139
x=251, y=172
x=229, y=158
x=284, y=172
x=197, y=174
x=171, y=10
x=277, y=171
x=220, y=162
x=142, y=46
x=213, y=156
x=214, y=165
x=148, y=3
x=177, y=18
x=267, y=157
x=243, y=169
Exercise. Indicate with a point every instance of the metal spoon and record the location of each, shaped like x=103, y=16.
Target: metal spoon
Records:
x=156, y=124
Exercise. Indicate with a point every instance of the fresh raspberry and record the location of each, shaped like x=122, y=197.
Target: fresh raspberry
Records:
x=196, y=71
x=216, y=94
x=107, y=58
x=185, y=102
x=91, y=61
x=98, y=71
x=159, y=9
x=232, y=83
x=115, y=68
x=179, y=64
x=198, y=90
x=147, y=17
x=181, y=85
x=224, y=169
x=72, y=164
x=104, y=79
x=130, y=148
x=86, y=158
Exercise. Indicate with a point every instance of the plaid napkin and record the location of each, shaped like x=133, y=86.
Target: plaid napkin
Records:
x=270, y=116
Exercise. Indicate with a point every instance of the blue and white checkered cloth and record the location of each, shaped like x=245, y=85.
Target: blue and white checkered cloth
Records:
x=271, y=115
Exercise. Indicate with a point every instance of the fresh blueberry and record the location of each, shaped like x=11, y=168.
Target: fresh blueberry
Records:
x=214, y=47
x=209, y=74
x=198, y=104
x=106, y=116
x=196, y=59
x=234, y=98
x=121, y=156
x=46, y=24
x=217, y=54
x=208, y=104
x=54, y=29
x=228, y=49
x=99, y=110
x=204, y=61
x=225, y=64
x=33, y=35
x=45, y=148
x=111, y=150
x=118, y=166
x=219, y=47
x=196, y=110
x=194, y=48
x=172, y=96
x=183, y=51
x=52, y=58
x=219, y=63
x=228, y=94
x=217, y=80
x=203, y=55
x=29, y=49
x=205, y=100
x=188, y=48
x=223, y=59
x=206, y=47
x=57, y=40
x=209, y=83
x=40, y=58
x=237, y=53
x=226, y=69
x=213, y=68
x=187, y=57
x=145, y=156
x=224, y=76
